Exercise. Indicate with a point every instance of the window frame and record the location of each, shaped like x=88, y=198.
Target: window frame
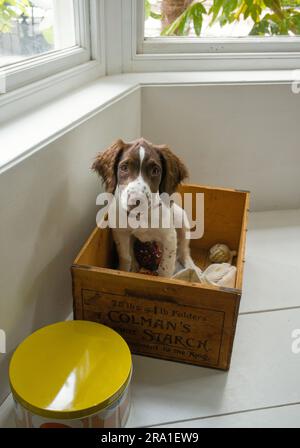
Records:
x=37, y=68
x=189, y=54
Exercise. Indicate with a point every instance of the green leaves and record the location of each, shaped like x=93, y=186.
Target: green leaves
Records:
x=197, y=14
x=282, y=21
x=269, y=17
x=193, y=13
x=215, y=9
x=147, y=9
x=291, y=3
x=9, y=10
x=149, y=12
x=179, y=25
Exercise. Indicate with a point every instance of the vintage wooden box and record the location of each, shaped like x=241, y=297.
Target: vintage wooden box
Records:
x=166, y=318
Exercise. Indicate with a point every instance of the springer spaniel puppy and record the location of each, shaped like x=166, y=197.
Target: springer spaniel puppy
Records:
x=137, y=172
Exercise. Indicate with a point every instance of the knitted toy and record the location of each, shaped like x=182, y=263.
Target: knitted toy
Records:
x=220, y=253
x=148, y=255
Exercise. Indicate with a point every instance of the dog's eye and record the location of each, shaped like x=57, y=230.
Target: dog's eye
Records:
x=155, y=171
x=124, y=168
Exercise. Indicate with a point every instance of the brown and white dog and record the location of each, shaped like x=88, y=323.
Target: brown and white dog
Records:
x=137, y=172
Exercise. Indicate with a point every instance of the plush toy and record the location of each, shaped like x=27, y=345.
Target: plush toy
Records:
x=220, y=253
x=219, y=274
x=148, y=255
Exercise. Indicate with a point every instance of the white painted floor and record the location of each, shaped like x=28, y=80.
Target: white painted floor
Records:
x=262, y=387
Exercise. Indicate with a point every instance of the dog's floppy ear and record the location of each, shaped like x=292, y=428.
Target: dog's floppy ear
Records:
x=174, y=170
x=106, y=165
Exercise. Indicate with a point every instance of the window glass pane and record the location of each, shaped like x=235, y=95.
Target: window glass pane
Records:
x=222, y=18
x=33, y=27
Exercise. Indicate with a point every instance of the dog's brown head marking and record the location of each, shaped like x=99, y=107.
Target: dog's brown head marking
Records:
x=153, y=165
x=174, y=170
x=106, y=165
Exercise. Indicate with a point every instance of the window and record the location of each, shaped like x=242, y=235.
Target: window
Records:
x=222, y=18
x=30, y=28
x=212, y=34
x=39, y=38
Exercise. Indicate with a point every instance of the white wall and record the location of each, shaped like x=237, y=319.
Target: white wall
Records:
x=47, y=211
x=246, y=137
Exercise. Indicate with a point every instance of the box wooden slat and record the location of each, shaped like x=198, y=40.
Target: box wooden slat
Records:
x=166, y=318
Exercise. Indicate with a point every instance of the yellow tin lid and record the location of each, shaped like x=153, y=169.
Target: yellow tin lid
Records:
x=70, y=370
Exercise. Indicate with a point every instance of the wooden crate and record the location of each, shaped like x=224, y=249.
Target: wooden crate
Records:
x=166, y=318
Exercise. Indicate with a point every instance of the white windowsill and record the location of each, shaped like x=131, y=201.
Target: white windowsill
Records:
x=24, y=135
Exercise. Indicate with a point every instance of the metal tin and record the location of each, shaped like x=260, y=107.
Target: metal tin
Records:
x=72, y=374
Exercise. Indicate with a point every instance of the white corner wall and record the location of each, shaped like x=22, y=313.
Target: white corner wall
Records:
x=48, y=208
x=242, y=136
